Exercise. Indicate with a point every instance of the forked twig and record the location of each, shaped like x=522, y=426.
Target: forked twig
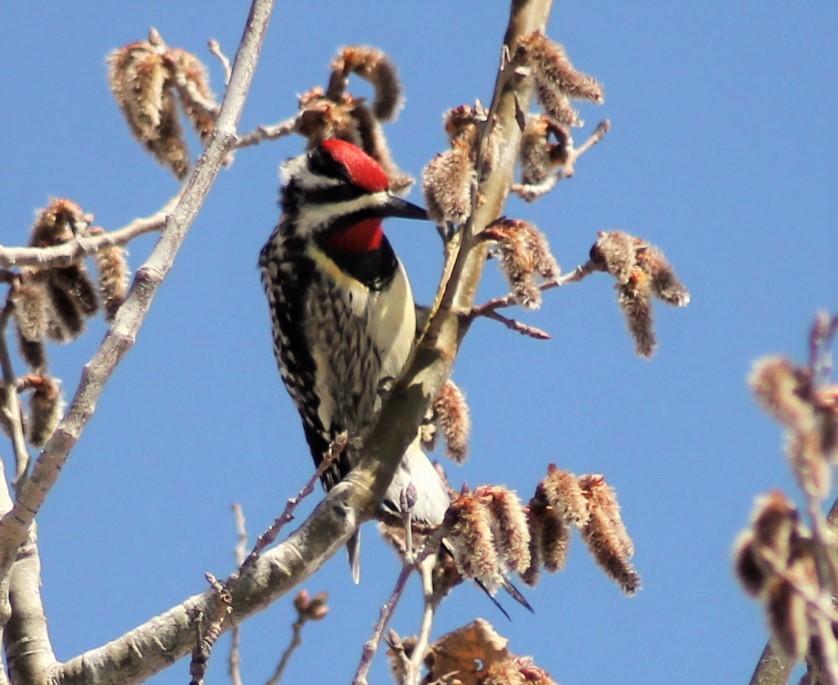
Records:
x=599, y=133
x=408, y=566
x=489, y=308
x=90, y=243
x=270, y=535
x=533, y=191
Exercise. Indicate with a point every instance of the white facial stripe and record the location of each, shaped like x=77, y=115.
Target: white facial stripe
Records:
x=315, y=215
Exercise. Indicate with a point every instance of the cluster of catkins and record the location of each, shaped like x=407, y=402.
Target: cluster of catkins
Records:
x=489, y=533
x=148, y=79
x=791, y=569
x=492, y=532
x=642, y=273
x=54, y=301
x=337, y=113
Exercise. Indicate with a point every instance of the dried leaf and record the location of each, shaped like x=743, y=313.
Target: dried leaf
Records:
x=467, y=652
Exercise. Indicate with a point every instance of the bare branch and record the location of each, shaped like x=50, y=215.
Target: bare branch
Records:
x=599, y=133
x=410, y=563
x=296, y=641
x=384, y=616
x=11, y=400
x=28, y=648
x=14, y=526
x=431, y=362
x=489, y=308
x=430, y=603
x=267, y=132
x=287, y=515
x=67, y=252
x=208, y=632
x=517, y=326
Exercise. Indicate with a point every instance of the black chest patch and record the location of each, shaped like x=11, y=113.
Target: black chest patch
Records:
x=374, y=268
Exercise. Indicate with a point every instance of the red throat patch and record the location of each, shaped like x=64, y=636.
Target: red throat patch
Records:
x=362, y=169
x=364, y=236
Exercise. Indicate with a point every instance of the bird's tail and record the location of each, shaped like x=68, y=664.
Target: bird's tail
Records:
x=431, y=503
x=432, y=498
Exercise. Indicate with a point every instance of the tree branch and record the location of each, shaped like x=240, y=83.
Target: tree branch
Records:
x=65, y=253
x=28, y=648
x=154, y=645
x=431, y=362
x=14, y=526
x=11, y=401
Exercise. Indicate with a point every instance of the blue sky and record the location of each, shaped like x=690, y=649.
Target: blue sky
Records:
x=722, y=152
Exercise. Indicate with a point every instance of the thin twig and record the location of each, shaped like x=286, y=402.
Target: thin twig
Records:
x=296, y=641
x=266, y=132
x=599, y=133
x=579, y=273
x=215, y=49
x=234, y=661
x=430, y=546
x=533, y=191
x=308, y=609
x=384, y=616
x=397, y=650
x=15, y=524
x=11, y=399
x=207, y=637
x=430, y=603
x=517, y=326
x=87, y=244
x=287, y=514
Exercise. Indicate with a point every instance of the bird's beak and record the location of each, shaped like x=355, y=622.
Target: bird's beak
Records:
x=396, y=206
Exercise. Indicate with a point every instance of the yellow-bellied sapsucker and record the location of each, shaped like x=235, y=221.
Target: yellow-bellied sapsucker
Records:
x=343, y=314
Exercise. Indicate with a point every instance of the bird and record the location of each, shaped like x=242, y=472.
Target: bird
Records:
x=343, y=315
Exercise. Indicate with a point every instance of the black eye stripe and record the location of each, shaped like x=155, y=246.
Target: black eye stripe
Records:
x=322, y=163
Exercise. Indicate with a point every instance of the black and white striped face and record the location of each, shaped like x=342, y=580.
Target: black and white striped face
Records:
x=336, y=187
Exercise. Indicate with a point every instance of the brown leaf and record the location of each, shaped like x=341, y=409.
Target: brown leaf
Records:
x=467, y=652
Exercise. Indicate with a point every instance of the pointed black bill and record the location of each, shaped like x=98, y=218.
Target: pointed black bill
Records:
x=396, y=206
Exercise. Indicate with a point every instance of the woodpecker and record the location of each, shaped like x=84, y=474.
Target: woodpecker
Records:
x=342, y=313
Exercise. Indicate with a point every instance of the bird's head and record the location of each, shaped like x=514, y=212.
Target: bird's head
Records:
x=339, y=194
